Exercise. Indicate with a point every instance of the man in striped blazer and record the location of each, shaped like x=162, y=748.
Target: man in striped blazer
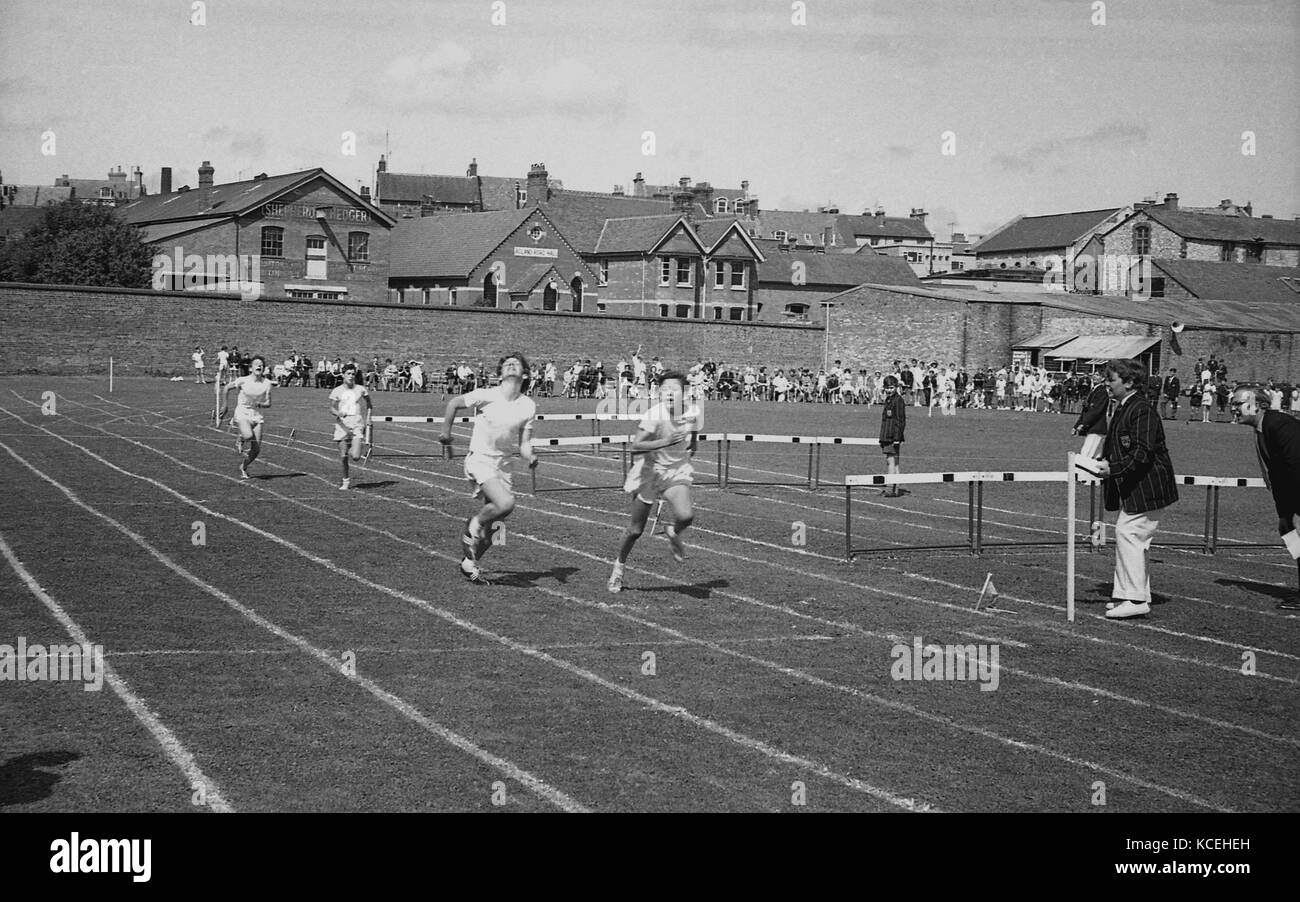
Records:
x=1139, y=483
x=1277, y=444
x=1092, y=419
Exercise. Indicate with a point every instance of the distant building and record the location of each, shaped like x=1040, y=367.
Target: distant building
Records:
x=1032, y=242
x=792, y=282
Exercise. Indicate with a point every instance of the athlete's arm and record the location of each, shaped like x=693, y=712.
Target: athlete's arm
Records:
x=233, y=385
x=645, y=442
x=449, y=415
x=526, y=444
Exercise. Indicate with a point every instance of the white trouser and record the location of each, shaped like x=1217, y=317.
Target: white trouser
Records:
x=1092, y=446
x=1133, y=534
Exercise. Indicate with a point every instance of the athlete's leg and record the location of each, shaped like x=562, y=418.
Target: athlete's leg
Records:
x=635, y=527
x=499, y=502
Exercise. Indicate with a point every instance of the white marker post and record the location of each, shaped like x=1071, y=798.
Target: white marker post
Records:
x=110, y=375
x=1069, y=538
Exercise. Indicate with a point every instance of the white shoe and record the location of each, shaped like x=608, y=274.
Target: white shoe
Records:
x=1123, y=609
x=243, y=472
x=675, y=541
x=616, y=580
x=347, y=484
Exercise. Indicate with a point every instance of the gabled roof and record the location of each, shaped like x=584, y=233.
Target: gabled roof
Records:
x=1252, y=282
x=40, y=195
x=1036, y=233
x=531, y=277
x=449, y=247
x=714, y=232
x=643, y=234
x=1048, y=339
x=1208, y=227
x=798, y=224
x=1104, y=347
x=394, y=187
x=851, y=227
x=165, y=231
x=835, y=270
x=233, y=199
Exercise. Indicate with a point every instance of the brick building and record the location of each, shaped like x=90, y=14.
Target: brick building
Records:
x=307, y=233
x=792, y=282
x=512, y=260
x=1228, y=234
x=405, y=195
x=1029, y=242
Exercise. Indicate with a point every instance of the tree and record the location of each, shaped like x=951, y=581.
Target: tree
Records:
x=77, y=244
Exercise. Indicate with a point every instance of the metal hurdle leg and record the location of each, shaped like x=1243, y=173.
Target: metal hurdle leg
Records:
x=1214, y=530
x=810, y=467
x=726, y=461
x=970, y=516
x=817, y=472
x=1209, y=510
x=720, y=462
x=979, y=518
x=848, y=522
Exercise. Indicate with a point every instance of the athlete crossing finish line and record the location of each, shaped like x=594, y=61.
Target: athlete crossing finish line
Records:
x=503, y=428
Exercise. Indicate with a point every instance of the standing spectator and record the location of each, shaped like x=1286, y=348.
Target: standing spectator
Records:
x=1277, y=445
x=1207, y=400
x=1092, y=420
x=893, y=423
x=223, y=364
x=322, y=372
x=1170, y=389
x=1138, y=481
x=197, y=357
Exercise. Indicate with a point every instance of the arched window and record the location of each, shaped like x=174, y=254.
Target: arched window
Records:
x=720, y=205
x=550, y=297
x=490, y=290
x=1142, y=239
x=575, y=289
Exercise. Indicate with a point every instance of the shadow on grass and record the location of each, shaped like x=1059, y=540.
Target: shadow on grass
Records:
x=26, y=779
x=528, y=579
x=375, y=485
x=268, y=476
x=1102, y=591
x=1281, y=593
x=702, y=590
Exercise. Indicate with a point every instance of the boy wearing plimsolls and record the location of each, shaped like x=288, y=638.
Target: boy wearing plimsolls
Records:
x=503, y=428
x=1138, y=482
x=346, y=404
x=665, y=440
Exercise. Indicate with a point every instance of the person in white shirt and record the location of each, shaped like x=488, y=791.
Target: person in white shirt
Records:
x=254, y=393
x=223, y=363
x=503, y=428
x=665, y=442
x=197, y=357
x=347, y=403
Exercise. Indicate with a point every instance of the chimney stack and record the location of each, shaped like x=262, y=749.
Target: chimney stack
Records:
x=1171, y=202
x=919, y=213
x=472, y=171
x=365, y=193
x=638, y=186
x=744, y=189
x=703, y=194
x=880, y=212
x=205, y=174
x=383, y=164
x=683, y=198
x=1225, y=203
x=827, y=237
x=165, y=182
x=538, y=184
x=1249, y=208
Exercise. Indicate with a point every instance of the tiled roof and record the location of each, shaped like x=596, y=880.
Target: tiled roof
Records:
x=394, y=187
x=449, y=247
x=1046, y=340
x=851, y=227
x=638, y=234
x=582, y=216
x=40, y=195
x=152, y=234
x=840, y=270
x=798, y=224
x=530, y=277
x=1226, y=228
x=87, y=189
x=1058, y=230
x=1253, y=282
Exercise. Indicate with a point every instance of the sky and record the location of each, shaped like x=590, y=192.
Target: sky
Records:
x=975, y=110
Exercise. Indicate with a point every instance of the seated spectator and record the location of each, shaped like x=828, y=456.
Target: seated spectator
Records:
x=389, y=375
x=416, y=377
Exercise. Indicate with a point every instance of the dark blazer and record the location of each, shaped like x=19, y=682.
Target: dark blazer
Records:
x=1093, y=418
x=1280, y=436
x=893, y=419
x=1171, y=388
x=1141, y=473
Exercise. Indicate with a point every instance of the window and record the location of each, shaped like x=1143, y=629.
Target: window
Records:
x=272, y=241
x=451, y=297
x=604, y=272
x=780, y=235
x=799, y=310
x=575, y=292
x=717, y=313
x=1157, y=286
x=665, y=271
x=684, y=269
x=600, y=308
x=807, y=237
x=550, y=297
x=1225, y=253
x=663, y=309
x=424, y=297
x=737, y=314
x=359, y=247
x=719, y=274
x=1255, y=252
x=737, y=276
x=1141, y=239
x=683, y=311
x=720, y=205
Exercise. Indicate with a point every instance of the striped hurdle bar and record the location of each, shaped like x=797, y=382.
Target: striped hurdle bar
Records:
x=443, y=452
x=622, y=441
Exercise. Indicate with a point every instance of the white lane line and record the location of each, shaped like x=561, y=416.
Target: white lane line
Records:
x=535, y=785
x=175, y=750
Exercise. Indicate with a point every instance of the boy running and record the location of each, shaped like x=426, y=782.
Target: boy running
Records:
x=346, y=403
x=503, y=428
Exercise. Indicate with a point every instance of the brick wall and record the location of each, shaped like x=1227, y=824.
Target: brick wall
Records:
x=55, y=329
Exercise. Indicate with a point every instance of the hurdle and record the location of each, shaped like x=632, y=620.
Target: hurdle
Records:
x=814, y=444
x=976, y=479
x=622, y=441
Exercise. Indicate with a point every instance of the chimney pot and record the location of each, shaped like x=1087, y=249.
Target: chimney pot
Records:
x=1171, y=202
x=472, y=171
x=205, y=174
x=165, y=181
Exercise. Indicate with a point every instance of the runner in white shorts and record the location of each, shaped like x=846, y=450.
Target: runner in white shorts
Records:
x=665, y=441
x=254, y=393
x=503, y=428
x=347, y=403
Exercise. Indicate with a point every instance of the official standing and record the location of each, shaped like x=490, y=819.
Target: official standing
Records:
x=1092, y=419
x=1138, y=482
x=1169, y=390
x=1277, y=444
x=893, y=423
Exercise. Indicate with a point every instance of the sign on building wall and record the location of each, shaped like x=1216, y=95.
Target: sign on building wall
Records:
x=548, y=252
x=311, y=211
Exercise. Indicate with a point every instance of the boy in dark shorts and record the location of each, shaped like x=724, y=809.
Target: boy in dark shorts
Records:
x=893, y=421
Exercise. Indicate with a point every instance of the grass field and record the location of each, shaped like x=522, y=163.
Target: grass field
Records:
x=319, y=651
